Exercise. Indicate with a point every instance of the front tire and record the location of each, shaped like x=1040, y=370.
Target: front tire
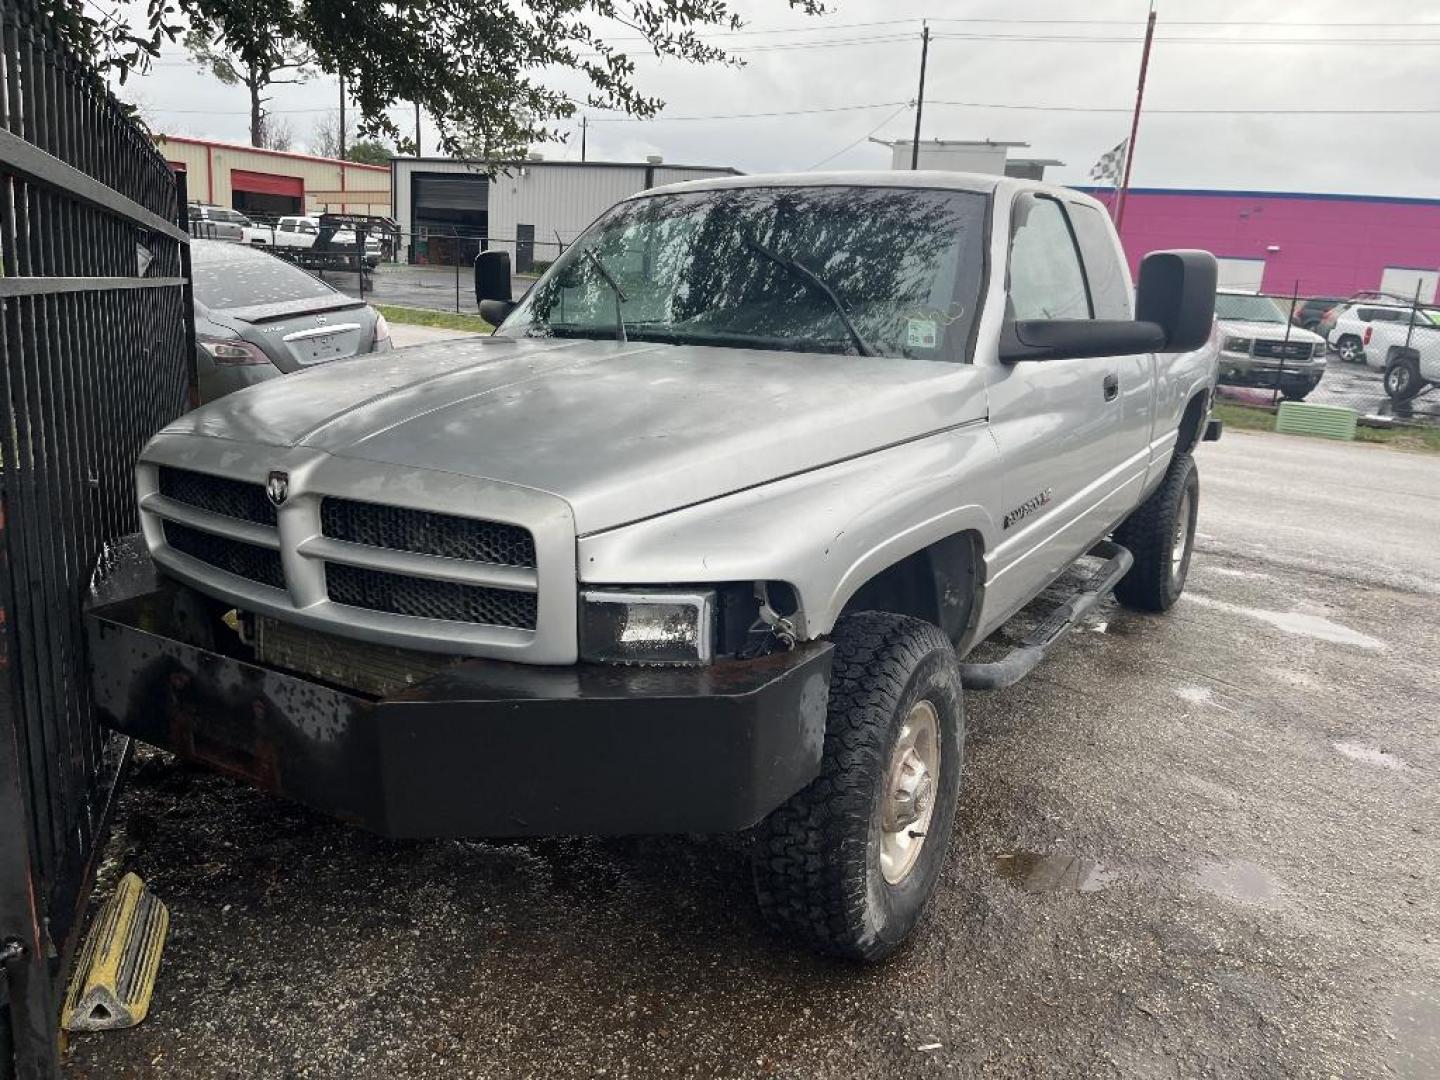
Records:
x=1295, y=393
x=1402, y=379
x=1160, y=533
x=847, y=865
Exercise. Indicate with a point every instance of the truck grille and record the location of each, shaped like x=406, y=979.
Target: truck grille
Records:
x=396, y=576
x=401, y=529
x=425, y=598
x=1284, y=350
x=233, y=556
x=217, y=494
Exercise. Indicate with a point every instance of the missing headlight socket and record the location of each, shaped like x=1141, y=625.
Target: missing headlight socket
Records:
x=778, y=603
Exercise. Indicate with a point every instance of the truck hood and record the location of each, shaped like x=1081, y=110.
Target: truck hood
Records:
x=1265, y=331
x=622, y=432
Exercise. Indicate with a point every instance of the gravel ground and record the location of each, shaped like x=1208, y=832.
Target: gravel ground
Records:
x=1195, y=845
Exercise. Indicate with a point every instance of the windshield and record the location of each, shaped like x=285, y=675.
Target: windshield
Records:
x=901, y=265
x=236, y=276
x=1244, y=308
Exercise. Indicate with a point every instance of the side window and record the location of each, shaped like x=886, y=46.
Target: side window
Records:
x=1046, y=281
x=287, y=225
x=1104, y=270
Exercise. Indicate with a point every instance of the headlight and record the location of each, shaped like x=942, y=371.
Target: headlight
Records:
x=1237, y=344
x=647, y=628
x=1319, y=350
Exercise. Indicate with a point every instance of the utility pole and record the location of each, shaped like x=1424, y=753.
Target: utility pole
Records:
x=920, y=98
x=342, y=116
x=584, y=131
x=1124, y=195
x=417, y=129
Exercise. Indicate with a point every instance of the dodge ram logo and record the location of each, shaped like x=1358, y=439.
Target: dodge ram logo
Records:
x=278, y=487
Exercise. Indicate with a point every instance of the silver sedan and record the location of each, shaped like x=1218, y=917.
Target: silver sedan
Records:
x=258, y=317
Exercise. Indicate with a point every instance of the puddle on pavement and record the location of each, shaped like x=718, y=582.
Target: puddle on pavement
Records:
x=1371, y=756
x=1053, y=873
x=1295, y=622
x=1236, y=879
x=1415, y=1023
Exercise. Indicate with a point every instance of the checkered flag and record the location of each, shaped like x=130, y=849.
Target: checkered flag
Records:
x=1111, y=165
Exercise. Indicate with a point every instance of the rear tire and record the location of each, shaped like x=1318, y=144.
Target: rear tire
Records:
x=1350, y=349
x=1402, y=379
x=838, y=865
x=1160, y=533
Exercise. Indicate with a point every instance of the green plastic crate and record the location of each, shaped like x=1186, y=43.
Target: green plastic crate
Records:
x=1327, y=421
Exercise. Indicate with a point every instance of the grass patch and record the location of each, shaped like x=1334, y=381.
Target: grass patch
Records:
x=1250, y=418
x=445, y=320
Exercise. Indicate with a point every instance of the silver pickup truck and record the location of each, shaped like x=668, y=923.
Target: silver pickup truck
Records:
x=701, y=539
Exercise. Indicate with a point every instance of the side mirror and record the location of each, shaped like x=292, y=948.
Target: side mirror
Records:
x=1057, y=339
x=1177, y=292
x=496, y=311
x=492, y=276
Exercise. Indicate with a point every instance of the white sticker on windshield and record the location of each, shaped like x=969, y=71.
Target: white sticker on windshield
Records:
x=921, y=333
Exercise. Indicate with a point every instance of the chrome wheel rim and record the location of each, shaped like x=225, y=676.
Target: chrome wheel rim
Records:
x=910, y=789
x=1399, y=379
x=1181, y=543
x=1348, y=351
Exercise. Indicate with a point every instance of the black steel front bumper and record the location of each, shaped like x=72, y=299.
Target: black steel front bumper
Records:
x=483, y=748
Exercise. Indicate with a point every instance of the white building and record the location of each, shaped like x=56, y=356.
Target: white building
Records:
x=969, y=155
x=449, y=210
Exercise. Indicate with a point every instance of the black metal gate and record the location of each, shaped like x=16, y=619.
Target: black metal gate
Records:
x=96, y=354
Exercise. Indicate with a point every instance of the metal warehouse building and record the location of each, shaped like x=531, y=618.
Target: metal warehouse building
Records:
x=450, y=210
x=271, y=182
x=1330, y=245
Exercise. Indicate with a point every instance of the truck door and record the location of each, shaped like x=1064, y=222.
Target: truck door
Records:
x=1064, y=428
x=1141, y=377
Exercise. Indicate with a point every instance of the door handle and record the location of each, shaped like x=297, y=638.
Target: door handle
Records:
x=1112, y=386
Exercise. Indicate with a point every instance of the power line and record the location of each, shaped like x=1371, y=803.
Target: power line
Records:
x=747, y=116
x=857, y=142
x=1305, y=110
x=1092, y=39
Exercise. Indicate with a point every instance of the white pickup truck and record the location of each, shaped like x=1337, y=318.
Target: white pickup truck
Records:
x=302, y=232
x=700, y=540
x=1401, y=341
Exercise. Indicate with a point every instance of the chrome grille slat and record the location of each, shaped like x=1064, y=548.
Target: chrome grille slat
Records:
x=195, y=518
x=515, y=578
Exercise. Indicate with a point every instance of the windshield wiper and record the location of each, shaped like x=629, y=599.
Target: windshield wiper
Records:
x=816, y=282
x=620, y=296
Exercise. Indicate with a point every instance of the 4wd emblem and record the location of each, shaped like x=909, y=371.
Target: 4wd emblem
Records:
x=1028, y=507
x=277, y=488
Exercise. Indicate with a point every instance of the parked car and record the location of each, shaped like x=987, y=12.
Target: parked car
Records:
x=217, y=223
x=700, y=540
x=1404, y=343
x=1351, y=321
x=1372, y=297
x=258, y=317
x=303, y=232
x=1260, y=348
x=1310, y=311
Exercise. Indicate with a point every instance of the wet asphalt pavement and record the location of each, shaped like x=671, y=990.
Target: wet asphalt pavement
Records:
x=1204, y=844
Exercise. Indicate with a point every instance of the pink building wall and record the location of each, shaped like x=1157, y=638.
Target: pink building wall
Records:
x=1331, y=244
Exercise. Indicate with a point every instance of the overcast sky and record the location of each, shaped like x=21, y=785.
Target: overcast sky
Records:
x=1325, y=55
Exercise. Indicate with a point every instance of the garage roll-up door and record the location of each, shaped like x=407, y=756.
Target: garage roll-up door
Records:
x=452, y=193
x=267, y=184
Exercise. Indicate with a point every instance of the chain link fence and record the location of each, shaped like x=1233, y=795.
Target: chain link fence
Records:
x=1332, y=351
